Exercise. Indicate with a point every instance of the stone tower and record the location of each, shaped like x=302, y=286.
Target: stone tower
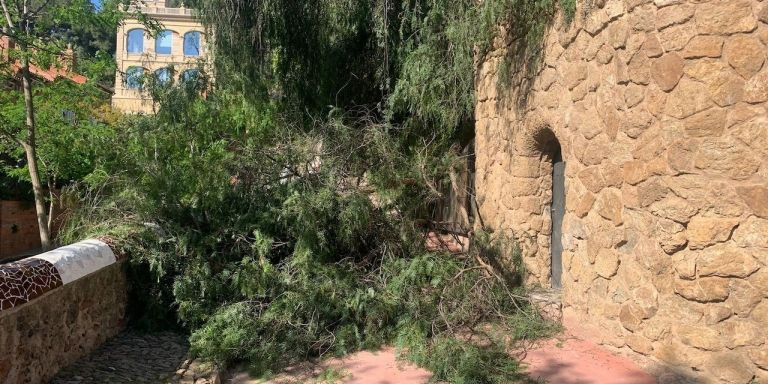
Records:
x=658, y=109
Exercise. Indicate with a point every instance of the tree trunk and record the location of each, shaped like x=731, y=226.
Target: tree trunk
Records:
x=30, y=149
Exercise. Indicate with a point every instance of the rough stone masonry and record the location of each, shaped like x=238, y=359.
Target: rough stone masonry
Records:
x=659, y=108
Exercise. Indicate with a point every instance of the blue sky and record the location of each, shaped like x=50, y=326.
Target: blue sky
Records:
x=96, y=3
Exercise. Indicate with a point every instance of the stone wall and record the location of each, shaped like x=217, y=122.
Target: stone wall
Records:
x=58, y=307
x=660, y=109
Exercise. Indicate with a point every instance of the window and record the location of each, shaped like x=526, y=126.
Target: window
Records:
x=135, y=41
x=163, y=42
x=163, y=76
x=190, y=76
x=134, y=77
x=192, y=43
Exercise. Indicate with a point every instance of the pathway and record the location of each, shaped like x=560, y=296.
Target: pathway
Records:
x=162, y=358
x=130, y=358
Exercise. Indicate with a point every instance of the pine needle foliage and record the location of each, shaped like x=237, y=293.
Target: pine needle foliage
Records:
x=279, y=216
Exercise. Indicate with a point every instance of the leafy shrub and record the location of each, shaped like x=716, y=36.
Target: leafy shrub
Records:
x=281, y=213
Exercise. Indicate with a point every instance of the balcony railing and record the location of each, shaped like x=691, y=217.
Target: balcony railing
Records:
x=155, y=10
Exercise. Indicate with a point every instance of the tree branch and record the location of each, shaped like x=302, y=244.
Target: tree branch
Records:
x=7, y=14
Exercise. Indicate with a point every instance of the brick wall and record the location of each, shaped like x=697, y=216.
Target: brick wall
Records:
x=18, y=228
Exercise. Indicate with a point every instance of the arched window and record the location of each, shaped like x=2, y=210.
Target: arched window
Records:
x=164, y=42
x=135, y=41
x=163, y=76
x=190, y=76
x=134, y=77
x=192, y=41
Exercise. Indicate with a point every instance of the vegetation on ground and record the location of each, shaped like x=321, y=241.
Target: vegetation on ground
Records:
x=280, y=213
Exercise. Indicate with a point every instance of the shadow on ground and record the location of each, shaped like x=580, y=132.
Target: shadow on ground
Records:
x=131, y=357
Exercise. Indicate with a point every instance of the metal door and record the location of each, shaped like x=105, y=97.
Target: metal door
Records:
x=557, y=211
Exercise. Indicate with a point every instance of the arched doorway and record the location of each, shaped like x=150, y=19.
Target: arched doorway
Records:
x=557, y=210
x=539, y=156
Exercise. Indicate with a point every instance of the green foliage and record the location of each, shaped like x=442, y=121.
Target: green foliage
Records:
x=71, y=131
x=281, y=212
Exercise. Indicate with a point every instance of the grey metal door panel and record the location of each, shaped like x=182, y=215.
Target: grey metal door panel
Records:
x=557, y=211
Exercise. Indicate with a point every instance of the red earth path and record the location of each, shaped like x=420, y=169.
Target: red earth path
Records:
x=566, y=359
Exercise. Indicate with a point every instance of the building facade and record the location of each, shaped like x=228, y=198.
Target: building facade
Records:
x=175, y=54
x=632, y=165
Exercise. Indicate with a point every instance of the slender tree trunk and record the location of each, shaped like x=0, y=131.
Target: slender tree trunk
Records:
x=30, y=149
x=52, y=205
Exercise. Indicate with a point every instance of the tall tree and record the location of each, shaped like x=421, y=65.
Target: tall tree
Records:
x=30, y=27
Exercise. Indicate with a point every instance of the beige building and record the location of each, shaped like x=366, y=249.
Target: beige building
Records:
x=177, y=53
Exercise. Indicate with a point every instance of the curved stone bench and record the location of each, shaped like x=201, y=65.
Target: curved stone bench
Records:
x=57, y=307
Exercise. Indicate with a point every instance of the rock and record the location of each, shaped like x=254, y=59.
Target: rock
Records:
x=673, y=15
x=610, y=207
x=763, y=14
x=716, y=314
x=667, y=71
x=584, y=205
x=664, y=3
x=704, y=46
x=708, y=123
x=681, y=155
x=744, y=297
x=634, y=172
x=652, y=46
x=723, y=84
x=760, y=313
x=725, y=17
x=629, y=317
x=605, y=54
x=621, y=72
x=673, y=352
x=592, y=179
x=751, y=234
x=759, y=356
x=575, y=75
x=742, y=113
x=655, y=99
x=745, y=54
x=674, y=208
x=651, y=191
x=617, y=34
x=759, y=280
x=756, y=198
x=638, y=69
x=700, y=337
x=639, y=344
x=725, y=262
x=632, y=4
x=730, y=367
x=633, y=95
x=686, y=268
x=727, y=158
x=646, y=298
x=703, y=290
x=671, y=236
x=677, y=37
x=688, y=98
x=638, y=121
x=753, y=134
x=607, y=263
x=704, y=232
x=612, y=175
x=643, y=18
x=756, y=89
